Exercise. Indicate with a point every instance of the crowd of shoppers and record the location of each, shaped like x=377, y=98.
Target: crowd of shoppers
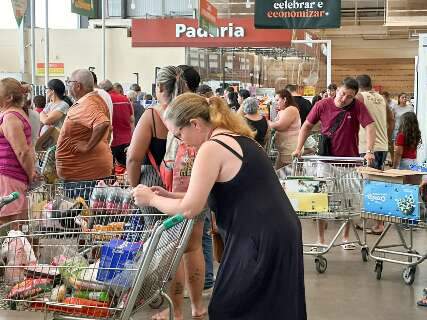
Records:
x=212, y=144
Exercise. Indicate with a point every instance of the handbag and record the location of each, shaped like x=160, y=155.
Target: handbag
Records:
x=165, y=172
x=217, y=242
x=325, y=140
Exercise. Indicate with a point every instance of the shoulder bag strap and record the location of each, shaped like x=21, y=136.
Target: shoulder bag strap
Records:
x=340, y=117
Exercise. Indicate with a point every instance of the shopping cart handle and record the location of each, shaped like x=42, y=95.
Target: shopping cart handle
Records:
x=173, y=221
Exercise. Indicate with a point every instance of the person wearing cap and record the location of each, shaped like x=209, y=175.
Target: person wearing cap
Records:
x=255, y=120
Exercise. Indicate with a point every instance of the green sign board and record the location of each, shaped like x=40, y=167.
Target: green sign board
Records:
x=208, y=16
x=84, y=7
x=297, y=14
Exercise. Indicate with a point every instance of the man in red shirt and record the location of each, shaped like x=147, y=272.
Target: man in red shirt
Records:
x=345, y=140
x=123, y=122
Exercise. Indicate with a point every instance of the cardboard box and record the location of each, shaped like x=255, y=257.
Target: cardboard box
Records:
x=392, y=199
x=392, y=175
x=115, y=254
x=309, y=202
x=307, y=194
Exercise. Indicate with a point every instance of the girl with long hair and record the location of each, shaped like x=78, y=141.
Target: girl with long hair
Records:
x=407, y=141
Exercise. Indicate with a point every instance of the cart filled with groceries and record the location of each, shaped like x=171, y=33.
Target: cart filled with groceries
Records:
x=87, y=251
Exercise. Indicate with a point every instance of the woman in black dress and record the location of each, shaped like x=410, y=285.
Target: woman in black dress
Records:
x=261, y=275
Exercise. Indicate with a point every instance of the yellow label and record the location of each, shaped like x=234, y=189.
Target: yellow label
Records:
x=309, y=202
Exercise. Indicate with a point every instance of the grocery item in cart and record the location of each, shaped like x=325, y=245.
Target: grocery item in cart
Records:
x=17, y=250
x=66, y=210
x=392, y=199
x=98, y=198
x=29, y=288
x=48, y=168
x=114, y=255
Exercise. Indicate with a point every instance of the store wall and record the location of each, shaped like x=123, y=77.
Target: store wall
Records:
x=392, y=75
x=83, y=48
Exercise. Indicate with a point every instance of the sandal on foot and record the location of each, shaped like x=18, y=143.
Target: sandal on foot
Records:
x=422, y=302
x=348, y=246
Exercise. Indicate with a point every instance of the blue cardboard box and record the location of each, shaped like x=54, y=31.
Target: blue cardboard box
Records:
x=392, y=199
x=115, y=254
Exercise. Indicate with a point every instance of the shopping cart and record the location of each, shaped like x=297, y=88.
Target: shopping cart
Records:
x=326, y=188
x=58, y=263
x=412, y=216
x=270, y=147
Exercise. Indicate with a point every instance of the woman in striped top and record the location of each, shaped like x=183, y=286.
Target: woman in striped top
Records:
x=16, y=151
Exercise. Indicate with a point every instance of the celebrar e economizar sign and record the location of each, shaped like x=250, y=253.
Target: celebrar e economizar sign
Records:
x=297, y=14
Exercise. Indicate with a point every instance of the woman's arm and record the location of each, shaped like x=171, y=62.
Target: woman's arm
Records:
x=139, y=147
x=50, y=118
x=14, y=133
x=286, y=118
x=207, y=166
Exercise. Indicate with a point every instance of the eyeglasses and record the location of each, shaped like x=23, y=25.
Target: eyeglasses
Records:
x=69, y=82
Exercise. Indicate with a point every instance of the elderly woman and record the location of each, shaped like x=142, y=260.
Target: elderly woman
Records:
x=262, y=268
x=255, y=120
x=53, y=115
x=287, y=126
x=16, y=151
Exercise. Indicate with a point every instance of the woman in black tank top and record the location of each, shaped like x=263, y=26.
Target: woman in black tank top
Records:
x=261, y=274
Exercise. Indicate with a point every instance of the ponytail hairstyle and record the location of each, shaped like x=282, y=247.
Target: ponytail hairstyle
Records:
x=58, y=87
x=13, y=88
x=213, y=110
x=171, y=81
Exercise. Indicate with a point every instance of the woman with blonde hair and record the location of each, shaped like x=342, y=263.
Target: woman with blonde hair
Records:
x=16, y=150
x=262, y=239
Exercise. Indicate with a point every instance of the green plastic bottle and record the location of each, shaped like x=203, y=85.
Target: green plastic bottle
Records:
x=97, y=296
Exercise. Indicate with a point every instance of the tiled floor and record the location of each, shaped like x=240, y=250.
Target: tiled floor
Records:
x=348, y=289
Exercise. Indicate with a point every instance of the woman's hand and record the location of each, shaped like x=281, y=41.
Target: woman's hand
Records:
x=143, y=195
x=160, y=191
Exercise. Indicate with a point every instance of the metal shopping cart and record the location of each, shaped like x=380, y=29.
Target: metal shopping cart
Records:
x=88, y=261
x=327, y=188
x=402, y=208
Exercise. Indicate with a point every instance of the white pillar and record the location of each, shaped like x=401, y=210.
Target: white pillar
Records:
x=33, y=42
x=46, y=44
x=103, y=41
x=421, y=97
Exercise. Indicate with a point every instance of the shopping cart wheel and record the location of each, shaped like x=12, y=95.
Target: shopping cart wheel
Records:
x=365, y=254
x=321, y=264
x=379, y=269
x=408, y=275
x=157, y=303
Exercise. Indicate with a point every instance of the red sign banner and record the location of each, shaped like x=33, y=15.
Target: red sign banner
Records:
x=239, y=32
x=208, y=11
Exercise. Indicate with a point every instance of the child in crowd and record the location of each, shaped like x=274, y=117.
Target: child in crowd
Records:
x=407, y=140
x=39, y=103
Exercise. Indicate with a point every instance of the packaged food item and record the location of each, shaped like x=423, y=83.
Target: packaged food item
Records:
x=114, y=255
x=76, y=307
x=127, y=201
x=18, y=252
x=72, y=268
x=101, y=296
x=29, y=287
x=58, y=293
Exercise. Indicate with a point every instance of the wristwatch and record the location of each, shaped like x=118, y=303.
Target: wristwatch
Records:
x=370, y=151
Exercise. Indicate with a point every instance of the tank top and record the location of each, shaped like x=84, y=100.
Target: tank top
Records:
x=286, y=141
x=157, y=145
x=9, y=164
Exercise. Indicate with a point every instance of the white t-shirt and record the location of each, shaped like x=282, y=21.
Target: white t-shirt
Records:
x=62, y=107
x=398, y=112
x=106, y=97
x=34, y=118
